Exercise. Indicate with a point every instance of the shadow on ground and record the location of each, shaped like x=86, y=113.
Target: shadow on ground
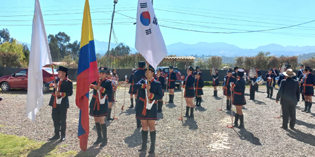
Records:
x=302, y=137
x=191, y=123
x=44, y=149
x=248, y=136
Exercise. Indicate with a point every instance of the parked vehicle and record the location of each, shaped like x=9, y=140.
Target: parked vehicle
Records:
x=19, y=79
x=165, y=71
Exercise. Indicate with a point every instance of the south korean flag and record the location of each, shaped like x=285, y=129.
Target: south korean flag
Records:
x=149, y=40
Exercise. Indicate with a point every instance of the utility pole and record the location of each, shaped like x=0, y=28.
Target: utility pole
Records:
x=110, y=35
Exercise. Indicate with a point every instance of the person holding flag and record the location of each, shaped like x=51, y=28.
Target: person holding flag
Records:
x=99, y=105
x=150, y=44
x=149, y=91
x=87, y=74
x=59, y=101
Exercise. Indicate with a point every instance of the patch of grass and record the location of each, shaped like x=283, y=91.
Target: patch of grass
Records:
x=1, y=126
x=12, y=145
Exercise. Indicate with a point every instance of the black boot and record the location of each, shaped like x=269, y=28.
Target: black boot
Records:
x=104, y=131
x=173, y=99
x=99, y=133
x=109, y=113
x=306, y=106
x=55, y=137
x=242, y=121
x=152, y=137
x=159, y=107
x=199, y=101
x=271, y=93
x=170, y=99
x=228, y=107
x=236, y=120
x=191, y=112
x=309, y=107
x=187, y=111
x=138, y=123
x=144, y=140
x=131, y=100
x=303, y=97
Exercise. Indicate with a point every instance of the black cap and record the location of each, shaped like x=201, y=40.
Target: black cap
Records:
x=270, y=69
x=102, y=69
x=141, y=64
x=301, y=65
x=230, y=70
x=308, y=68
x=240, y=72
x=199, y=73
x=190, y=68
x=197, y=67
x=171, y=67
x=160, y=70
x=288, y=66
x=235, y=68
x=150, y=68
x=64, y=69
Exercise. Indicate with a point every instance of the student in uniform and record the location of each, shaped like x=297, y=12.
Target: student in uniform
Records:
x=258, y=74
x=60, y=104
x=139, y=74
x=99, y=105
x=148, y=116
x=238, y=90
x=198, y=87
x=171, y=84
x=276, y=74
x=132, y=90
x=269, y=78
x=189, y=92
x=234, y=73
x=160, y=78
x=111, y=99
x=301, y=79
x=226, y=88
x=197, y=70
x=215, y=82
x=308, y=88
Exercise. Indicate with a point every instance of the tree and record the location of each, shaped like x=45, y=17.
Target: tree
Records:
x=216, y=62
x=249, y=62
x=62, y=41
x=54, y=49
x=273, y=61
x=120, y=50
x=74, y=49
x=5, y=36
x=201, y=63
x=26, y=52
x=309, y=62
x=70, y=63
x=9, y=59
x=239, y=62
x=13, y=47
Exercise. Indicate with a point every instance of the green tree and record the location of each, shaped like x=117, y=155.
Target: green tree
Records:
x=26, y=52
x=9, y=59
x=62, y=40
x=249, y=62
x=70, y=63
x=216, y=62
x=54, y=49
x=5, y=36
x=13, y=47
x=119, y=50
x=74, y=49
x=239, y=62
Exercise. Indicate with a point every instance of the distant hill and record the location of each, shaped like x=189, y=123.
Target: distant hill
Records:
x=306, y=56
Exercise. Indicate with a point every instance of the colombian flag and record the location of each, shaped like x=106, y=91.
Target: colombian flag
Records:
x=87, y=73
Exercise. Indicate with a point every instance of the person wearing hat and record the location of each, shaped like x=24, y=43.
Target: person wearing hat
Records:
x=275, y=72
x=159, y=77
x=308, y=88
x=189, y=93
x=132, y=90
x=60, y=102
x=139, y=74
x=226, y=88
x=171, y=84
x=215, y=82
x=289, y=96
x=234, y=73
x=197, y=70
x=269, y=77
x=238, y=89
x=198, y=87
x=99, y=104
x=149, y=92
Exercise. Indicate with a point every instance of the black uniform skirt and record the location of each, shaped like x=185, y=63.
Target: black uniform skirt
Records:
x=199, y=91
x=150, y=114
x=189, y=93
x=98, y=113
x=111, y=97
x=132, y=89
x=215, y=83
x=227, y=92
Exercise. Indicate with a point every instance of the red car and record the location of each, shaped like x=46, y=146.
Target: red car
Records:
x=19, y=79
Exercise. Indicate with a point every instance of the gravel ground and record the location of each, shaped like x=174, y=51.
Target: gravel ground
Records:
x=206, y=135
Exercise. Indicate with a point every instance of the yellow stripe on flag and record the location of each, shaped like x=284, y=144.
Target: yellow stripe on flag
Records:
x=87, y=33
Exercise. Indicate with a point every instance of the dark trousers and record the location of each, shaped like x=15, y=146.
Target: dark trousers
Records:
x=269, y=91
x=288, y=111
x=274, y=82
x=59, y=116
x=252, y=92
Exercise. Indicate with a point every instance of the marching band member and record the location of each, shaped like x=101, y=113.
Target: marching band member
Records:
x=197, y=70
x=139, y=74
x=234, y=73
x=300, y=72
x=281, y=77
x=252, y=87
x=99, y=105
x=198, y=87
x=258, y=74
x=238, y=90
x=111, y=95
x=151, y=90
x=300, y=77
x=308, y=88
x=269, y=77
x=171, y=84
x=276, y=73
x=160, y=78
x=132, y=89
x=189, y=92
x=226, y=88
x=301, y=84
x=215, y=82
x=60, y=104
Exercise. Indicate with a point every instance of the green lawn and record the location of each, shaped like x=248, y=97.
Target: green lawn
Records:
x=11, y=145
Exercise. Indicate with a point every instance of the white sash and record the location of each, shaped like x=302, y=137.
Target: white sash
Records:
x=149, y=105
x=102, y=101
x=58, y=99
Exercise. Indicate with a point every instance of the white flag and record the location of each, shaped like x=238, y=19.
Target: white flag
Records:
x=39, y=57
x=149, y=39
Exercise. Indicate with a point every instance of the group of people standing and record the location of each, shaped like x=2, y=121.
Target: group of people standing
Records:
x=147, y=87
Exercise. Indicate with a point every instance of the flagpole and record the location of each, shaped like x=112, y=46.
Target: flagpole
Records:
x=52, y=69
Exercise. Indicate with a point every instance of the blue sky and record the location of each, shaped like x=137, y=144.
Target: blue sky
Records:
x=194, y=15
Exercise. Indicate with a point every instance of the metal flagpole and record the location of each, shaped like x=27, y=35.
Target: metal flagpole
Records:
x=181, y=106
x=231, y=126
x=122, y=108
